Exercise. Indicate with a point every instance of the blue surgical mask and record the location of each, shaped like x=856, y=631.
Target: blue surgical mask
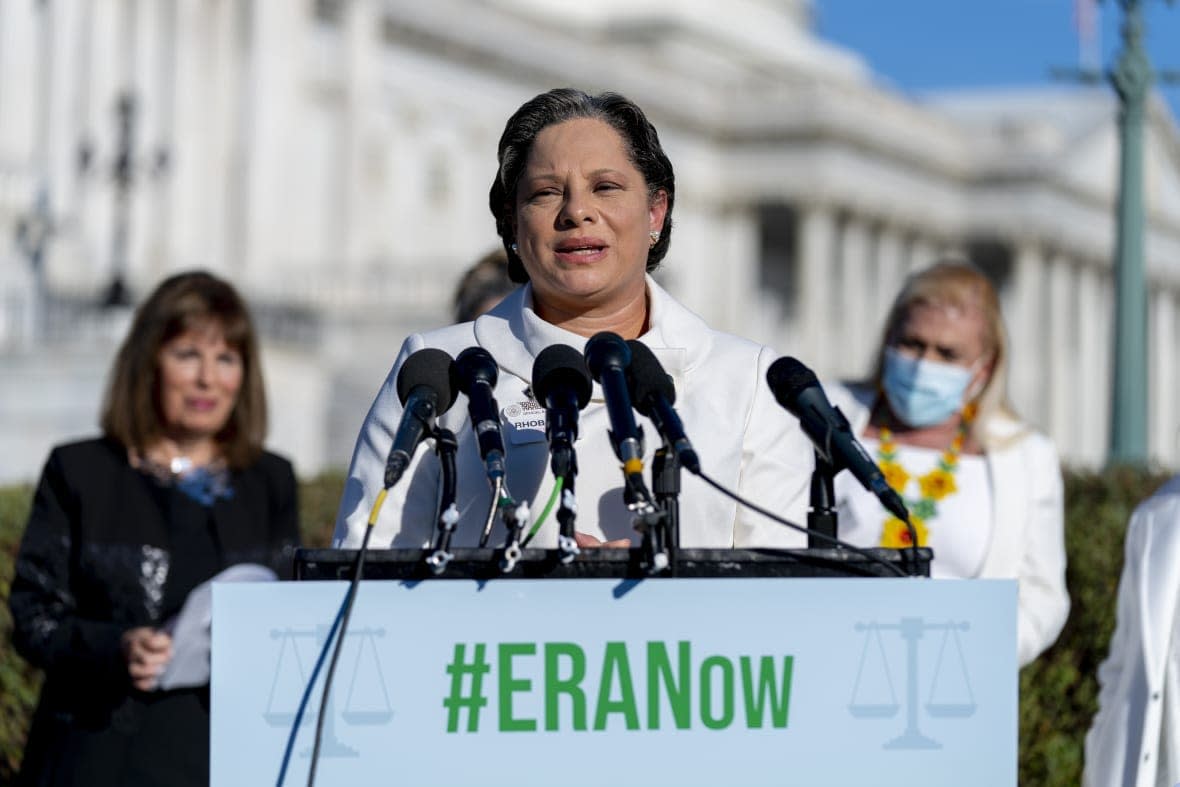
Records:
x=923, y=393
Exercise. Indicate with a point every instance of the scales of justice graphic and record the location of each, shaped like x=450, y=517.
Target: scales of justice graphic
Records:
x=366, y=699
x=950, y=695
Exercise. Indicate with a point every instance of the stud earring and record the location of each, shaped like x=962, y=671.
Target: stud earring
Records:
x=655, y=237
x=514, y=249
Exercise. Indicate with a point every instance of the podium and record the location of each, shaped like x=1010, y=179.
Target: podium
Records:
x=748, y=667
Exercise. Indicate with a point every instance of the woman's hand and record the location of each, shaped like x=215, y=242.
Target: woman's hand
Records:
x=587, y=541
x=147, y=652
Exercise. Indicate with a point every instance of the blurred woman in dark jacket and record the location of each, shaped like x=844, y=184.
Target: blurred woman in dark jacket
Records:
x=124, y=526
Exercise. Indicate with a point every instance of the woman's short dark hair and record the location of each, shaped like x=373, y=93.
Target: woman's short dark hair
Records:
x=557, y=106
x=131, y=411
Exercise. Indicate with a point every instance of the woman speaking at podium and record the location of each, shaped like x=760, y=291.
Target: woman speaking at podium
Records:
x=983, y=489
x=124, y=526
x=582, y=200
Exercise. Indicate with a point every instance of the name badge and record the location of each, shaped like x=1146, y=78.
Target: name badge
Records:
x=524, y=422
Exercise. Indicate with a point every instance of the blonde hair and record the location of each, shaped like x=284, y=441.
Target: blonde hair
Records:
x=960, y=285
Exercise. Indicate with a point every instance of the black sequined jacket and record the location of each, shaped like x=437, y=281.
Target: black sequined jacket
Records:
x=95, y=561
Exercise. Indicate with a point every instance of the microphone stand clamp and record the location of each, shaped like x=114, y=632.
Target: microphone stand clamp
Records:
x=446, y=446
x=516, y=517
x=821, y=516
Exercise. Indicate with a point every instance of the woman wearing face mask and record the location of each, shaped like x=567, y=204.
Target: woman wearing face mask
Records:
x=983, y=489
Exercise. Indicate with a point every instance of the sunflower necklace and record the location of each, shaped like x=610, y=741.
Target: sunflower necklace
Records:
x=934, y=486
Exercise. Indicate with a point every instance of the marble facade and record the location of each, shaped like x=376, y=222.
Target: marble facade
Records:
x=332, y=158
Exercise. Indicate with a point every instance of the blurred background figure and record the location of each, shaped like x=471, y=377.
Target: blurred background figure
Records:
x=124, y=526
x=483, y=285
x=984, y=489
x=1134, y=740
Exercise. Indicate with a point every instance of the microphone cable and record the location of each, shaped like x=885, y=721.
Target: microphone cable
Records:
x=445, y=446
x=306, y=696
x=349, y=603
x=339, y=626
x=553, y=496
x=497, y=494
x=833, y=540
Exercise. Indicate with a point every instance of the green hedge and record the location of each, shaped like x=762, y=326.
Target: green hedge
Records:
x=1057, y=693
x=19, y=683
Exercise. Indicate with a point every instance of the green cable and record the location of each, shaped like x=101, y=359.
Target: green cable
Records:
x=544, y=513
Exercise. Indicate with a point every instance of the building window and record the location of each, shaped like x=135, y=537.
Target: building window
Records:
x=778, y=260
x=328, y=12
x=994, y=258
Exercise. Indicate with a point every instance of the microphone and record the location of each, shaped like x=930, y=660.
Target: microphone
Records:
x=654, y=394
x=608, y=357
x=798, y=390
x=562, y=384
x=424, y=386
x=476, y=373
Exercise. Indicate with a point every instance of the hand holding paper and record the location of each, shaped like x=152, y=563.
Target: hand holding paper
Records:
x=147, y=651
x=189, y=665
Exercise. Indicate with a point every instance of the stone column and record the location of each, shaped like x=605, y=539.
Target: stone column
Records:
x=1104, y=337
x=890, y=276
x=813, y=323
x=1025, y=312
x=1059, y=362
x=851, y=304
x=1162, y=381
x=922, y=254
x=277, y=31
x=192, y=113
x=362, y=99
x=230, y=220
x=158, y=148
x=1093, y=366
x=87, y=100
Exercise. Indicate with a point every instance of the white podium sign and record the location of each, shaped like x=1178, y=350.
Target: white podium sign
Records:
x=589, y=682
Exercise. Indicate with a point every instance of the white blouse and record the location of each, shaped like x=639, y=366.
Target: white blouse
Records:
x=960, y=532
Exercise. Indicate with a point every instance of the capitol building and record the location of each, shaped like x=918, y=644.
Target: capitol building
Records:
x=332, y=158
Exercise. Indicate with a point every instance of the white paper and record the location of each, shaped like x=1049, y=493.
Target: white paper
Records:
x=190, y=630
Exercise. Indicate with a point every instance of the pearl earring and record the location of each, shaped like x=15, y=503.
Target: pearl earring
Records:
x=514, y=249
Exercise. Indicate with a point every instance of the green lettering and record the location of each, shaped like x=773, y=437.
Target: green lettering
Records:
x=510, y=686
x=780, y=699
x=555, y=685
x=615, y=667
x=726, y=717
x=659, y=672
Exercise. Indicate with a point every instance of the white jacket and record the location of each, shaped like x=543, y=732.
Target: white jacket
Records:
x=1028, y=532
x=1138, y=700
x=744, y=439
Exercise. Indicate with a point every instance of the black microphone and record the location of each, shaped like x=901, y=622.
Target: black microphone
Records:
x=798, y=390
x=476, y=373
x=608, y=357
x=562, y=384
x=425, y=388
x=653, y=394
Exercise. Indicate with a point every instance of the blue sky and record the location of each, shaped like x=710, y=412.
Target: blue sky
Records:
x=918, y=45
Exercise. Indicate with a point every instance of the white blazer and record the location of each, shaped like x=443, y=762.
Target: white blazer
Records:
x=1028, y=530
x=744, y=439
x=1138, y=701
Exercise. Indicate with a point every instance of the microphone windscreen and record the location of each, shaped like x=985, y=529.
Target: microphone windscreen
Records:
x=788, y=378
x=561, y=365
x=433, y=368
x=606, y=349
x=646, y=377
x=475, y=364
